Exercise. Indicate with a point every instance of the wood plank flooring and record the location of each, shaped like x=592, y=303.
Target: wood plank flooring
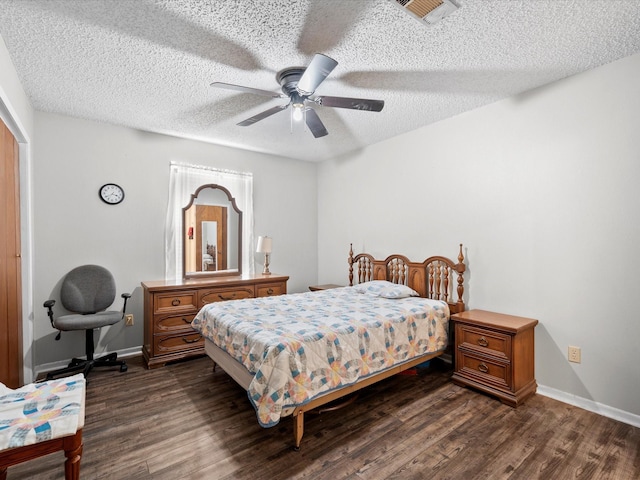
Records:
x=185, y=421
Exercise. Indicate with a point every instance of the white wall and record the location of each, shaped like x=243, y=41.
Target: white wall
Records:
x=542, y=191
x=74, y=157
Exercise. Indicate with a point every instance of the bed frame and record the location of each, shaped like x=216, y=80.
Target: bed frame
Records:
x=432, y=278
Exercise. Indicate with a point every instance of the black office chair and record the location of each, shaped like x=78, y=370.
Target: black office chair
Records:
x=87, y=291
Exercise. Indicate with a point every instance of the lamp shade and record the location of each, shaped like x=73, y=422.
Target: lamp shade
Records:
x=264, y=245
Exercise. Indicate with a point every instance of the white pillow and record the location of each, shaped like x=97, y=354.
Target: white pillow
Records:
x=385, y=289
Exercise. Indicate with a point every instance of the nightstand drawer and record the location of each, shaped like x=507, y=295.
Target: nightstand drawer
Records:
x=174, y=323
x=271, y=289
x=223, y=294
x=176, y=301
x=484, y=341
x=484, y=370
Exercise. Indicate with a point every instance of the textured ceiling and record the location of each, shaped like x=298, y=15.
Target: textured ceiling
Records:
x=148, y=64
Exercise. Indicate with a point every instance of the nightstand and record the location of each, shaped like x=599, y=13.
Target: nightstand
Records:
x=494, y=353
x=326, y=286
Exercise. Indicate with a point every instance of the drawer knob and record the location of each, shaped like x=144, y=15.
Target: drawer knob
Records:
x=186, y=320
x=483, y=367
x=222, y=297
x=483, y=342
x=186, y=340
x=175, y=302
x=270, y=291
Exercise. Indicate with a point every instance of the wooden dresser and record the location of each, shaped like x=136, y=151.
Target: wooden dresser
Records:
x=495, y=353
x=170, y=306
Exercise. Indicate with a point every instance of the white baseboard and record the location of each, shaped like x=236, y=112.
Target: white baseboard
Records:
x=48, y=367
x=590, y=405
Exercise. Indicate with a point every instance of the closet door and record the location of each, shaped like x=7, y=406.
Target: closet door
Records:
x=10, y=271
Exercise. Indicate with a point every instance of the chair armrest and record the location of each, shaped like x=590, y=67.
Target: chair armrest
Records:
x=49, y=306
x=126, y=297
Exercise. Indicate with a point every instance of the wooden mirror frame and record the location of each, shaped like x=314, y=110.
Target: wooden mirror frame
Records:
x=218, y=273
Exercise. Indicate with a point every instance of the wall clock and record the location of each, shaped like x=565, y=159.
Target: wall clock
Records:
x=111, y=194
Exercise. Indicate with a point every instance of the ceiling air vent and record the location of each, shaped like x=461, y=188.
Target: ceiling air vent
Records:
x=429, y=11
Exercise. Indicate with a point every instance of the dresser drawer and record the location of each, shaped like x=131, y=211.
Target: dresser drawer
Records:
x=175, y=301
x=174, y=323
x=484, y=341
x=484, y=370
x=271, y=289
x=222, y=294
x=166, y=344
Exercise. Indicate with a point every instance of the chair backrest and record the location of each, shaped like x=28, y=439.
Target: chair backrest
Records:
x=88, y=289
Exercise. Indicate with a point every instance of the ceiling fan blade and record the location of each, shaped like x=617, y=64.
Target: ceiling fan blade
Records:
x=256, y=91
x=263, y=115
x=352, y=103
x=319, y=68
x=315, y=124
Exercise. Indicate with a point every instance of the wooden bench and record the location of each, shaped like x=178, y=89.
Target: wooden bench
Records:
x=28, y=431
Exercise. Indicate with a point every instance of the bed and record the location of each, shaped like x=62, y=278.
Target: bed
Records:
x=296, y=353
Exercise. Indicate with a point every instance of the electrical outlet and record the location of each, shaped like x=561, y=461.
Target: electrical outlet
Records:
x=128, y=319
x=574, y=354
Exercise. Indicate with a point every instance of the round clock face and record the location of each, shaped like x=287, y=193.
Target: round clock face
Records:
x=111, y=193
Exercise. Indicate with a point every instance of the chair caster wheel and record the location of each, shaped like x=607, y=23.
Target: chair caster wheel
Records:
x=123, y=368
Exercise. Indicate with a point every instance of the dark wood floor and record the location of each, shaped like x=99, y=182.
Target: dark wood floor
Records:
x=185, y=421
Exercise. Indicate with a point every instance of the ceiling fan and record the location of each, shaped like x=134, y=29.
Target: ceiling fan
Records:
x=298, y=85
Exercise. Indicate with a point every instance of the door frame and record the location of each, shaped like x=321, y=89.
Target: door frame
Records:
x=11, y=120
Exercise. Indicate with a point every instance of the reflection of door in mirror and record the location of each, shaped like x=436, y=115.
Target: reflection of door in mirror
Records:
x=206, y=244
x=212, y=220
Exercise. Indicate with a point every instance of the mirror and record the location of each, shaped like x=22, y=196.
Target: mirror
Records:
x=211, y=233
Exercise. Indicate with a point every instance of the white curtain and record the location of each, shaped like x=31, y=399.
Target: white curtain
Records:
x=183, y=181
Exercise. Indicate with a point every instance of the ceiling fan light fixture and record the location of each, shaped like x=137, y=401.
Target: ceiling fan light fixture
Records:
x=429, y=11
x=297, y=112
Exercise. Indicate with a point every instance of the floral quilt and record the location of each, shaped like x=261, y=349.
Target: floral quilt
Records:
x=299, y=346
